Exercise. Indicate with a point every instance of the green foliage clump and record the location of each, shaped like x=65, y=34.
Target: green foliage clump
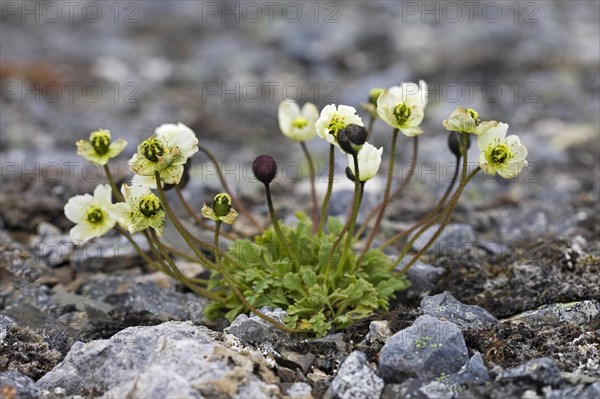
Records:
x=315, y=297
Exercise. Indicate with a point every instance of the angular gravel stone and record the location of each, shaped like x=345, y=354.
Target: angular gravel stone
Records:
x=556, y=314
x=427, y=349
x=445, y=307
x=189, y=359
x=355, y=380
x=21, y=386
x=256, y=330
x=542, y=371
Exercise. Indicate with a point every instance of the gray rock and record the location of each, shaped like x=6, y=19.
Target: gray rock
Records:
x=580, y=392
x=355, y=380
x=473, y=372
x=299, y=390
x=445, y=307
x=542, y=371
x=379, y=331
x=22, y=386
x=422, y=279
x=189, y=357
x=453, y=240
x=556, y=314
x=125, y=294
x=256, y=330
x=426, y=349
x=5, y=322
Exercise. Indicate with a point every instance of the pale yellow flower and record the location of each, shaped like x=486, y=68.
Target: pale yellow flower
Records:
x=165, y=152
x=369, y=160
x=501, y=154
x=296, y=124
x=99, y=149
x=90, y=213
x=142, y=209
x=402, y=107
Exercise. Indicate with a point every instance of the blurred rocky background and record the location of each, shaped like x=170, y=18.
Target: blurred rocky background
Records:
x=70, y=67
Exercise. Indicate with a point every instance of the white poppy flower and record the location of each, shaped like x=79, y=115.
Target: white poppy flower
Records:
x=99, y=149
x=501, y=154
x=402, y=107
x=166, y=152
x=369, y=160
x=296, y=124
x=142, y=209
x=333, y=119
x=90, y=214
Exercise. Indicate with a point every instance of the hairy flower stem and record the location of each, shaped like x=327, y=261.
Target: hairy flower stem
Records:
x=386, y=196
x=235, y=202
x=179, y=276
x=111, y=181
x=195, y=216
x=179, y=227
x=313, y=191
x=397, y=192
x=151, y=262
x=372, y=120
x=341, y=235
x=329, y=188
x=282, y=240
x=447, y=212
x=355, y=207
x=431, y=214
x=231, y=283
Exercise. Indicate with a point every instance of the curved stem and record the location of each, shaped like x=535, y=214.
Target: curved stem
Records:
x=372, y=120
x=355, y=207
x=231, y=283
x=179, y=227
x=179, y=276
x=386, y=196
x=341, y=234
x=283, y=241
x=329, y=189
x=409, y=175
x=432, y=213
x=111, y=181
x=151, y=262
x=235, y=202
x=313, y=191
x=195, y=216
x=448, y=214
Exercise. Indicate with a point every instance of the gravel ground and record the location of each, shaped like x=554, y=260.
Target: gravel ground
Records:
x=506, y=304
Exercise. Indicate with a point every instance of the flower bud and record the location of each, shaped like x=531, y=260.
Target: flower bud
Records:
x=264, y=168
x=374, y=95
x=349, y=174
x=222, y=204
x=454, y=143
x=352, y=138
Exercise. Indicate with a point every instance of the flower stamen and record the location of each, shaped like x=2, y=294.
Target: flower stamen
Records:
x=152, y=149
x=149, y=205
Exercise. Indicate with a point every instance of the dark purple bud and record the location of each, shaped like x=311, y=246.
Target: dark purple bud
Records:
x=454, y=139
x=352, y=138
x=264, y=168
x=349, y=173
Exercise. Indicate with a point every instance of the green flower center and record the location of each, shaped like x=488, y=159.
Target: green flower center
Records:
x=100, y=142
x=500, y=154
x=149, y=205
x=402, y=113
x=222, y=205
x=475, y=115
x=299, y=123
x=336, y=124
x=94, y=215
x=152, y=149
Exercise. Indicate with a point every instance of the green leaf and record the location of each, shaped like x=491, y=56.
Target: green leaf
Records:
x=334, y=225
